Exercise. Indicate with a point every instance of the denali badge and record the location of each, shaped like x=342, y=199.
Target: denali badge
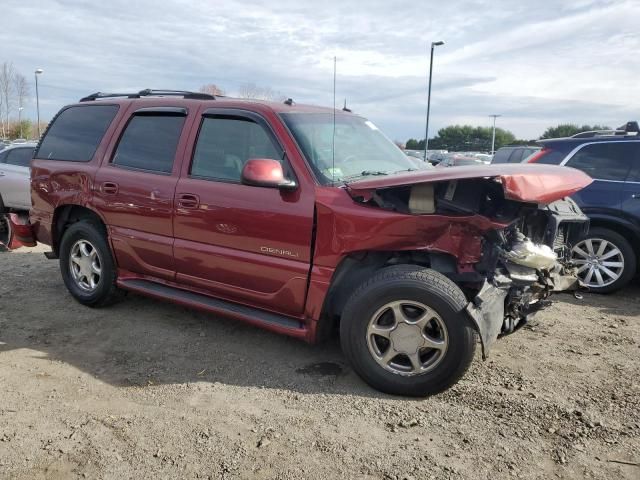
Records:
x=279, y=251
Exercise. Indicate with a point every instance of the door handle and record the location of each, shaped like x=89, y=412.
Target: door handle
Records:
x=188, y=200
x=2, y=174
x=109, y=188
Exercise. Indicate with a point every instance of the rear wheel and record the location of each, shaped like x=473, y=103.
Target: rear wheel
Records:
x=605, y=259
x=87, y=266
x=405, y=332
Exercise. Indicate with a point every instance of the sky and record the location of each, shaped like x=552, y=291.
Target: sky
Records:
x=535, y=63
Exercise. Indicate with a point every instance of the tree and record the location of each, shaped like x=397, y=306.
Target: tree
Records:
x=7, y=79
x=458, y=138
x=568, y=129
x=251, y=90
x=22, y=129
x=212, y=89
x=413, y=144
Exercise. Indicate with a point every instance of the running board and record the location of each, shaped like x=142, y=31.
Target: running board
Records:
x=261, y=318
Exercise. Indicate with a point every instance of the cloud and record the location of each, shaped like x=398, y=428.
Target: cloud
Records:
x=536, y=63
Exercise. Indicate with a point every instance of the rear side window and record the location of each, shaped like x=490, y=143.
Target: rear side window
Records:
x=604, y=161
x=149, y=142
x=76, y=133
x=226, y=143
x=20, y=156
x=551, y=157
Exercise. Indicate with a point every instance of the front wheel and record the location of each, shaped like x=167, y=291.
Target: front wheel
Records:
x=605, y=259
x=405, y=332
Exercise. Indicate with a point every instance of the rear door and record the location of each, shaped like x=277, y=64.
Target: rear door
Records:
x=608, y=163
x=135, y=186
x=14, y=177
x=238, y=242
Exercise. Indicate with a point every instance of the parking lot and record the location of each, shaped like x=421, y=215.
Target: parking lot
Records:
x=149, y=389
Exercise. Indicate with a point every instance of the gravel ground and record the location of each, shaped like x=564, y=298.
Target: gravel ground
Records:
x=150, y=390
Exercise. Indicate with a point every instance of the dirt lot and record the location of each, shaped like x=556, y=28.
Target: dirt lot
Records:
x=150, y=390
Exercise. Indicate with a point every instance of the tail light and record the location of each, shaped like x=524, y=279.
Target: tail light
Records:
x=538, y=155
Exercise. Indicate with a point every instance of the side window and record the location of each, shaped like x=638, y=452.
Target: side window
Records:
x=149, y=142
x=604, y=161
x=20, y=156
x=225, y=144
x=76, y=133
x=634, y=174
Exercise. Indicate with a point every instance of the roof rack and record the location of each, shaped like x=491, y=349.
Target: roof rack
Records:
x=148, y=92
x=630, y=129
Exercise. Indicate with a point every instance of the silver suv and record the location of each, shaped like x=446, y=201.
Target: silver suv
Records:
x=14, y=177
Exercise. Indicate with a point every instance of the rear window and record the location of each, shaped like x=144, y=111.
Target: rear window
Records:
x=76, y=133
x=149, y=142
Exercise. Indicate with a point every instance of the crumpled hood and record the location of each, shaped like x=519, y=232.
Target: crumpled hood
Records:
x=521, y=182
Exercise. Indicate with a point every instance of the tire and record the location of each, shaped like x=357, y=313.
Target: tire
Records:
x=604, y=266
x=4, y=232
x=89, y=233
x=412, y=289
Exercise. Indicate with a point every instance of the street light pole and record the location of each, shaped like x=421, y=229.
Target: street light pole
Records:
x=493, y=137
x=38, y=72
x=20, y=119
x=426, y=135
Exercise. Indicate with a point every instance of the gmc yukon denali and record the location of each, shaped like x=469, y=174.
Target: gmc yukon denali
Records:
x=302, y=220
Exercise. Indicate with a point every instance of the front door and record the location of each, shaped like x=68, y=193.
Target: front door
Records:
x=631, y=191
x=608, y=163
x=134, y=190
x=242, y=243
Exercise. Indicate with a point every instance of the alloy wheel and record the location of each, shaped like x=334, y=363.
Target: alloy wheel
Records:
x=407, y=337
x=85, y=265
x=600, y=262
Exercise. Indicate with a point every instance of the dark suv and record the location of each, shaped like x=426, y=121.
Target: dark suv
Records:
x=301, y=220
x=608, y=254
x=513, y=153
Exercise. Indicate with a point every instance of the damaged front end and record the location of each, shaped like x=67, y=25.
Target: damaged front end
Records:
x=525, y=225
x=523, y=265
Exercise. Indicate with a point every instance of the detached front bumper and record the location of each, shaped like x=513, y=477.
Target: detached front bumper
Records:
x=487, y=311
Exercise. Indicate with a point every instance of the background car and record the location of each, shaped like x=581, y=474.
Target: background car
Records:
x=514, y=153
x=459, y=159
x=609, y=252
x=14, y=177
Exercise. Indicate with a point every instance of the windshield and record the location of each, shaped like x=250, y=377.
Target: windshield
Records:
x=358, y=150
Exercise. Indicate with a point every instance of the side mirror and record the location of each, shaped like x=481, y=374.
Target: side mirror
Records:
x=265, y=172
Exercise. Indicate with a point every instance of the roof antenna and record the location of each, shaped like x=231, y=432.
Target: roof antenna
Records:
x=333, y=140
x=345, y=109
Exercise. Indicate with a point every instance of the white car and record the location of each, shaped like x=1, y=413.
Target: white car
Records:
x=15, y=177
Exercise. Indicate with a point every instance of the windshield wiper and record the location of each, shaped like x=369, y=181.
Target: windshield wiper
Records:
x=365, y=173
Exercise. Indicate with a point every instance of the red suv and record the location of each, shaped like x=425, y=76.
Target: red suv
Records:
x=300, y=220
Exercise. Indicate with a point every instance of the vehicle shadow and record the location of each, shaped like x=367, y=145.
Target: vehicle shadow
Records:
x=625, y=302
x=144, y=342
